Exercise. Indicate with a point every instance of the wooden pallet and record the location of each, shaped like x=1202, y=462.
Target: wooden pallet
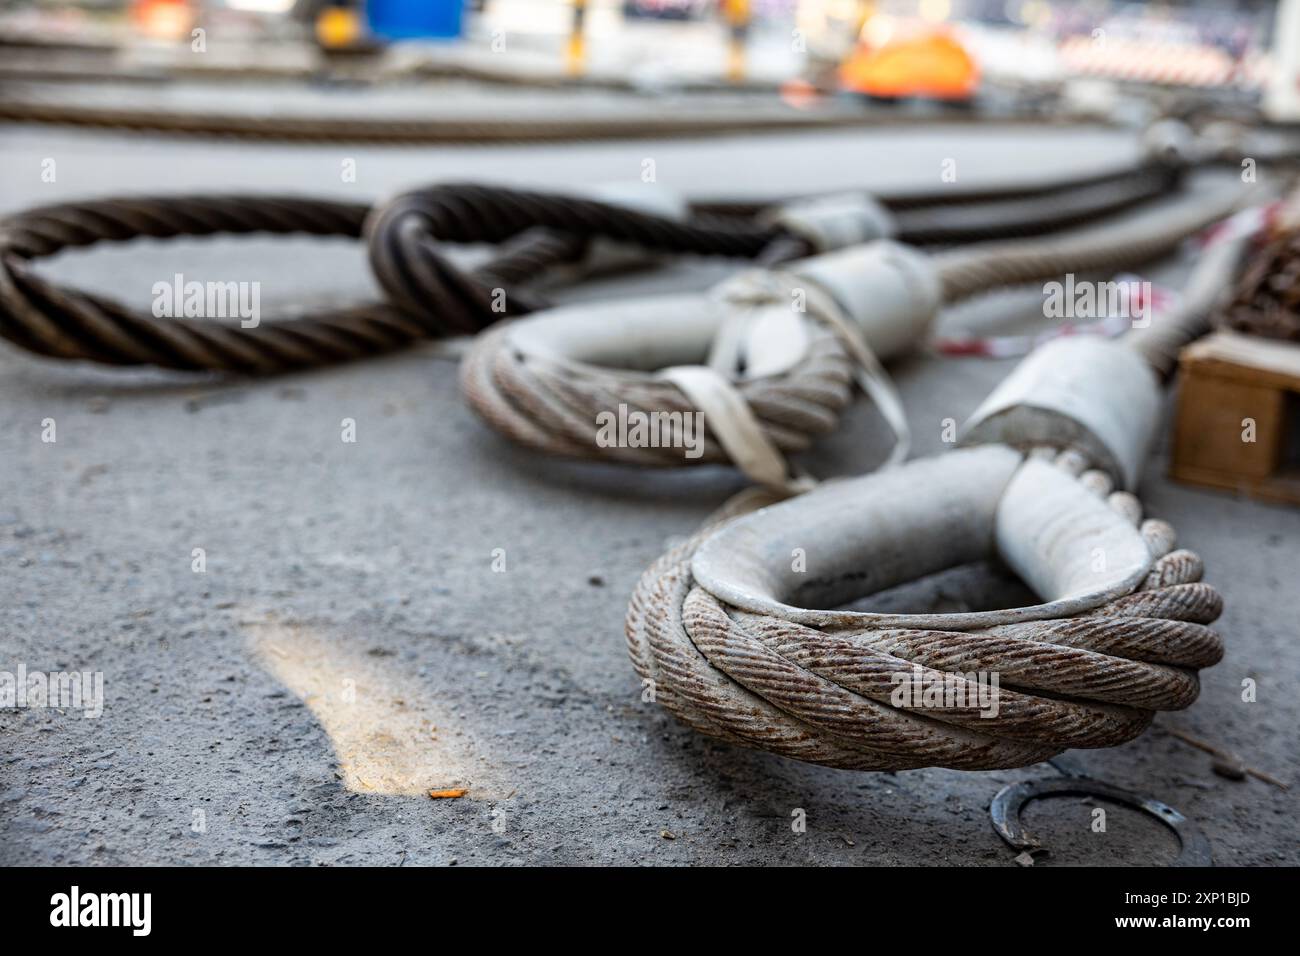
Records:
x=1229, y=381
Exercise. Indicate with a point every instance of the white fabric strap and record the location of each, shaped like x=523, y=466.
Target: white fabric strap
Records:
x=759, y=288
x=732, y=422
x=712, y=389
x=870, y=374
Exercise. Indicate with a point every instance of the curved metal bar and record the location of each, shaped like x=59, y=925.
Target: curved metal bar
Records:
x=1010, y=802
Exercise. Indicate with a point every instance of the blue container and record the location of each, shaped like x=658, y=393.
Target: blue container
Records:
x=408, y=19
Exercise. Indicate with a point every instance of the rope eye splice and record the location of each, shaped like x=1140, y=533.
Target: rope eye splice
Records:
x=733, y=637
x=764, y=364
x=761, y=366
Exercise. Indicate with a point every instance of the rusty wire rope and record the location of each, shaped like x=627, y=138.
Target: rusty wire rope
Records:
x=551, y=403
x=821, y=686
x=1266, y=299
x=428, y=295
x=823, y=694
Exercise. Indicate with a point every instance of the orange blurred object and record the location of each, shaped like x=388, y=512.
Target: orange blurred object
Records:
x=933, y=65
x=338, y=27
x=163, y=19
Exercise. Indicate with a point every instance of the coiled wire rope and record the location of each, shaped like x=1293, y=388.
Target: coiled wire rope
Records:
x=821, y=686
x=553, y=402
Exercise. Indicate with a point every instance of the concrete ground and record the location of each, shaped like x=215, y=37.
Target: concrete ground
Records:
x=350, y=645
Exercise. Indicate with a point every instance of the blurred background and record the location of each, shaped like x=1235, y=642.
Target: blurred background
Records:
x=956, y=53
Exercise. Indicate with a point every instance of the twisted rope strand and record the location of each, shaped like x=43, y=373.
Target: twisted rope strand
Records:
x=825, y=694
x=431, y=297
x=552, y=405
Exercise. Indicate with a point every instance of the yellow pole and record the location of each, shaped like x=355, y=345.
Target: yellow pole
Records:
x=576, y=57
x=737, y=13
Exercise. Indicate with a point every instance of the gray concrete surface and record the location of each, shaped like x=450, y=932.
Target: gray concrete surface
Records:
x=350, y=644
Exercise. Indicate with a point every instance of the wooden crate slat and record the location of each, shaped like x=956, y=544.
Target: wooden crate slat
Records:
x=1229, y=379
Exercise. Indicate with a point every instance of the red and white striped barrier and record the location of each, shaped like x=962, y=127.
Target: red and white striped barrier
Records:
x=1144, y=61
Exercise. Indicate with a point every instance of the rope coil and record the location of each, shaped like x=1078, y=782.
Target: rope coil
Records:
x=825, y=692
x=551, y=401
x=45, y=318
x=725, y=631
x=431, y=296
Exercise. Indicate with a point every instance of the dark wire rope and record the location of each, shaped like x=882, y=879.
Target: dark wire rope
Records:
x=428, y=296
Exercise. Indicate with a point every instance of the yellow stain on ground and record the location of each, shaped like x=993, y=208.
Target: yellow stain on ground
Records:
x=388, y=737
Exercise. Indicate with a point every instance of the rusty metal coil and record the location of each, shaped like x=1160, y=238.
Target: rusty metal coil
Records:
x=822, y=692
x=1266, y=298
